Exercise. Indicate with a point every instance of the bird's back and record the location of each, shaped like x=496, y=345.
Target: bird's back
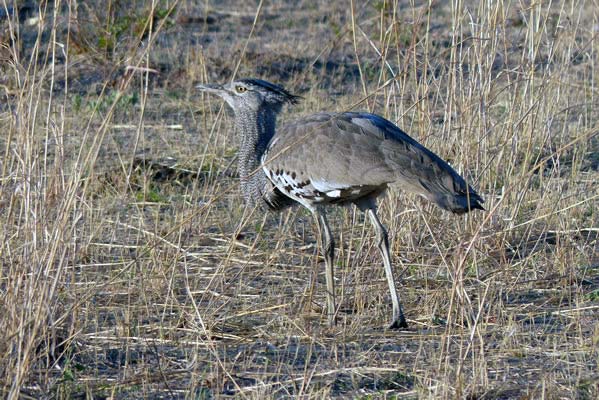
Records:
x=342, y=157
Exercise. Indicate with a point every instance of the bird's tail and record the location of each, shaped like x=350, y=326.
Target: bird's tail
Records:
x=459, y=203
x=443, y=186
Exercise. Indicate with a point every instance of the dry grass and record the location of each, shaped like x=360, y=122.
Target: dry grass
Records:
x=131, y=269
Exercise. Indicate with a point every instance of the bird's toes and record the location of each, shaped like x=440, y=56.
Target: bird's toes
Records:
x=399, y=324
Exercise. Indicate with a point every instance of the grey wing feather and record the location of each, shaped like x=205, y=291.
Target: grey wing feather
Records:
x=340, y=153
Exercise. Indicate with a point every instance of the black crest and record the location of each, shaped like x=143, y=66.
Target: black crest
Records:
x=279, y=93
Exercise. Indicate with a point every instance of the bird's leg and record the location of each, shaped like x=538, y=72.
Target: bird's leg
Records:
x=328, y=251
x=399, y=321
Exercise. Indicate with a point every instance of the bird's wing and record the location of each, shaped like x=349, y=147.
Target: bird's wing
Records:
x=331, y=152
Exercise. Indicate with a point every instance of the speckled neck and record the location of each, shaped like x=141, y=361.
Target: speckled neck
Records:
x=255, y=129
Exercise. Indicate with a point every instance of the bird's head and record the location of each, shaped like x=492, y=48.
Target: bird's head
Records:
x=251, y=94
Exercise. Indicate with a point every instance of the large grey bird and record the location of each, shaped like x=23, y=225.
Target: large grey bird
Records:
x=333, y=158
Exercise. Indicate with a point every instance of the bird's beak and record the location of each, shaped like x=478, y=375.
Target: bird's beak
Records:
x=211, y=88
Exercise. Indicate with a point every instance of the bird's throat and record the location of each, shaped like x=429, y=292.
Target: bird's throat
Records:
x=255, y=130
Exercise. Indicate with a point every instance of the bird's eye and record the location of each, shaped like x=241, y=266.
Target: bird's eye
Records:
x=240, y=89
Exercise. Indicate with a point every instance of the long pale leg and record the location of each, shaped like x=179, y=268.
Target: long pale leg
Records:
x=328, y=251
x=399, y=321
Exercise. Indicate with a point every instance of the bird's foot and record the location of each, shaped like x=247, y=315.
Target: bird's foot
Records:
x=399, y=323
x=331, y=321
